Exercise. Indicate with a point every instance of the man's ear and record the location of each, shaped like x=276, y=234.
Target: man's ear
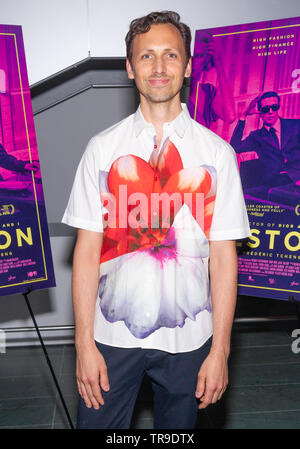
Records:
x=129, y=70
x=188, y=69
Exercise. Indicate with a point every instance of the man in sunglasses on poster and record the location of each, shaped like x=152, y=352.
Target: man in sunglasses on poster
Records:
x=277, y=142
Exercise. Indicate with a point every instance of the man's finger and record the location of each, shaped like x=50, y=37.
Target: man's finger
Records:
x=207, y=397
x=204, y=403
x=104, y=382
x=216, y=395
x=222, y=392
x=91, y=396
x=200, y=388
x=84, y=395
x=79, y=387
x=209, y=393
x=95, y=387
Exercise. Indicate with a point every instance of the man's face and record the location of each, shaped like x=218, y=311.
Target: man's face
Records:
x=158, y=63
x=269, y=118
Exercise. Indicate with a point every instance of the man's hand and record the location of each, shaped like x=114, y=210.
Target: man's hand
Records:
x=31, y=167
x=91, y=374
x=212, y=379
x=214, y=51
x=251, y=109
x=213, y=374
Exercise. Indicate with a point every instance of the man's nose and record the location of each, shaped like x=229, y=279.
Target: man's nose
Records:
x=159, y=65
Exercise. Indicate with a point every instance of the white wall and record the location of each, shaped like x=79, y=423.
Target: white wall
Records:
x=59, y=33
x=116, y=15
x=55, y=33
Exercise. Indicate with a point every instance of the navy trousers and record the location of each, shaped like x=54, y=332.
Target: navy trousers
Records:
x=173, y=379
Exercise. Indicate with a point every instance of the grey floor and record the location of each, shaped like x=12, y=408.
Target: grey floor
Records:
x=264, y=390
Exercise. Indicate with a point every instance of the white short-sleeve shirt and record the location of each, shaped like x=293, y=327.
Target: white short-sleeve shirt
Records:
x=158, y=209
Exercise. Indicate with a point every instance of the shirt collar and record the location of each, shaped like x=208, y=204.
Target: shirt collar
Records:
x=179, y=124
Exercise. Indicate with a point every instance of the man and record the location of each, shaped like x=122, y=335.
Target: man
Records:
x=277, y=143
x=153, y=309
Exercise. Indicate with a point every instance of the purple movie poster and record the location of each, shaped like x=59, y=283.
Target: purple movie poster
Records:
x=25, y=253
x=245, y=86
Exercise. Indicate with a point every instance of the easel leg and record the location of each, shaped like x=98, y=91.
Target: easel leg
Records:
x=47, y=359
x=297, y=304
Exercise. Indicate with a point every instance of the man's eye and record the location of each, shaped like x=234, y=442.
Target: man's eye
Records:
x=172, y=55
x=146, y=56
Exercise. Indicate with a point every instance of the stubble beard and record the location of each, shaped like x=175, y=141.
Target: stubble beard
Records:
x=157, y=96
x=156, y=99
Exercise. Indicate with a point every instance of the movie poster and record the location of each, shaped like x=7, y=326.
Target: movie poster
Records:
x=25, y=253
x=245, y=86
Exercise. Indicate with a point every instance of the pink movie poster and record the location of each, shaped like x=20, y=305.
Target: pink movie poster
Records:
x=245, y=86
x=25, y=253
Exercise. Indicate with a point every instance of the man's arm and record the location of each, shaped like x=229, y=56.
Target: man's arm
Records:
x=91, y=371
x=236, y=141
x=11, y=163
x=213, y=374
x=239, y=145
x=223, y=103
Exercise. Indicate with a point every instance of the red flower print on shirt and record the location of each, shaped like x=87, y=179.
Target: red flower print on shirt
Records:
x=162, y=180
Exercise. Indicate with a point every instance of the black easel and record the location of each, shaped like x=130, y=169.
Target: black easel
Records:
x=47, y=358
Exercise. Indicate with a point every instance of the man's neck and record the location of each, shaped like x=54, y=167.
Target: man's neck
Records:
x=275, y=125
x=160, y=113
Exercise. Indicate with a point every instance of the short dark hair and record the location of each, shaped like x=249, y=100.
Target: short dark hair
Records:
x=143, y=25
x=267, y=95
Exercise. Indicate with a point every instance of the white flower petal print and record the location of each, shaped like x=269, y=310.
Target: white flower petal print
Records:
x=213, y=173
x=124, y=295
x=190, y=239
x=178, y=290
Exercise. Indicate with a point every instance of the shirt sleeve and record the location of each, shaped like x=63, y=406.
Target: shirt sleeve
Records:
x=230, y=218
x=84, y=207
